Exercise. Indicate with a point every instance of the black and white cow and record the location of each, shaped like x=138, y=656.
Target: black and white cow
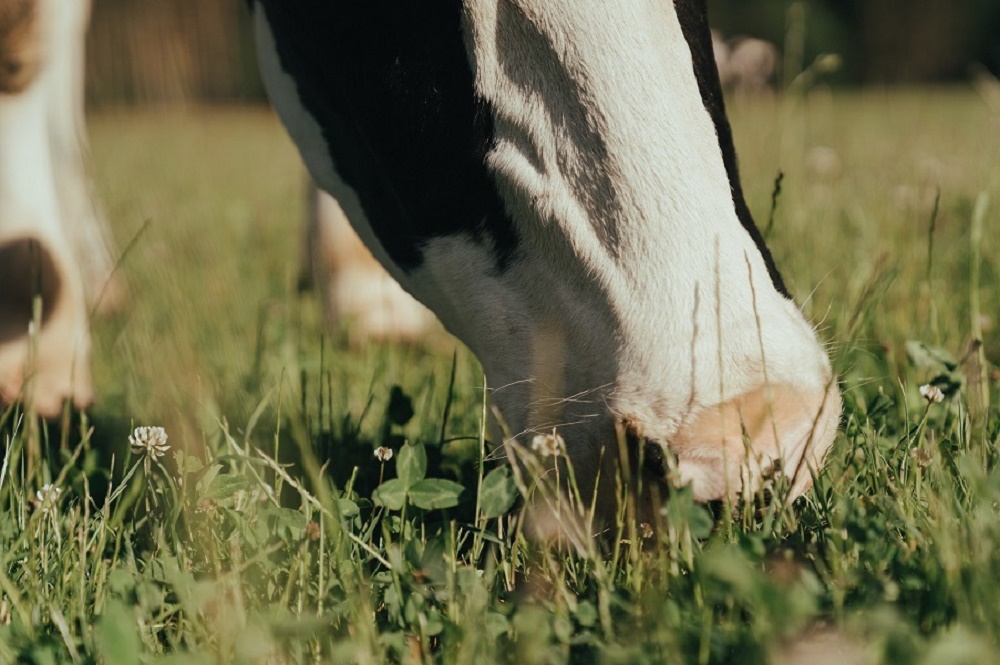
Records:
x=556, y=180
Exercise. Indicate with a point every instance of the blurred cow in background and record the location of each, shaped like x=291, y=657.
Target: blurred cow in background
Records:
x=746, y=65
x=356, y=292
x=556, y=180
x=54, y=242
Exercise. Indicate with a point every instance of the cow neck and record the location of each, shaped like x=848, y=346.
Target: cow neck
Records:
x=403, y=128
x=693, y=16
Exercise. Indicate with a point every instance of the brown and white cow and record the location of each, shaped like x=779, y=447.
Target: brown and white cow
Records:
x=557, y=182
x=53, y=239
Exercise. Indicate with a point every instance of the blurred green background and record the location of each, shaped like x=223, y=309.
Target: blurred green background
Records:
x=184, y=50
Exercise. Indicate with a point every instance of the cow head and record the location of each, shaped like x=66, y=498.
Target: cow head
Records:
x=53, y=248
x=556, y=180
x=642, y=291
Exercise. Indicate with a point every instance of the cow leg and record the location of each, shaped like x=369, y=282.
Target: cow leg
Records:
x=356, y=290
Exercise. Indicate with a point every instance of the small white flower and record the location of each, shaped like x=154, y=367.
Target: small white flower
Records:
x=931, y=393
x=921, y=457
x=646, y=530
x=548, y=445
x=149, y=441
x=383, y=454
x=47, y=497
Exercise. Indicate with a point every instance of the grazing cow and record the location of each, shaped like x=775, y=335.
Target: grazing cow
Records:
x=53, y=240
x=556, y=180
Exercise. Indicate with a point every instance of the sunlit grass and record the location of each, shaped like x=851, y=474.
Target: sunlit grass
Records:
x=261, y=537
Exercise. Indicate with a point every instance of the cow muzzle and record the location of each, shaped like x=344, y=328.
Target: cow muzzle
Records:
x=44, y=343
x=776, y=436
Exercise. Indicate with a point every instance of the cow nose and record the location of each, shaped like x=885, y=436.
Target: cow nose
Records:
x=734, y=449
x=46, y=363
x=766, y=442
x=15, y=75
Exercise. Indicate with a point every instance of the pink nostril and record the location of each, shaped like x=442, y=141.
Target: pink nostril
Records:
x=736, y=448
x=645, y=452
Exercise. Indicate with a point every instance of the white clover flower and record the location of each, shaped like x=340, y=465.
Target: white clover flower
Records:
x=47, y=497
x=383, y=454
x=921, y=457
x=149, y=441
x=548, y=445
x=931, y=393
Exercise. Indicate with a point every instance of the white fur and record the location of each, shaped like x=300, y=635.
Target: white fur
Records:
x=635, y=290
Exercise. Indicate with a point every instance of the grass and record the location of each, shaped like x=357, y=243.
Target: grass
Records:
x=256, y=540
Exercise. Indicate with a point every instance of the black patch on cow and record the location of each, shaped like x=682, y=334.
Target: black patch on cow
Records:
x=693, y=16
x=390, y=84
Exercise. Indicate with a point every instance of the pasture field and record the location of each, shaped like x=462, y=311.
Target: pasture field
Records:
x=256, y=539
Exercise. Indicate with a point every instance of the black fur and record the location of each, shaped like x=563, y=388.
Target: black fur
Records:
x=390, y=84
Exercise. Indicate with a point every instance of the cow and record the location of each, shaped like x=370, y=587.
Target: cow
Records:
x=55, y=247
x=556, y=181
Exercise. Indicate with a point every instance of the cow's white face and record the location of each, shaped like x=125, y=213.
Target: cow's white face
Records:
x=600, y=262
